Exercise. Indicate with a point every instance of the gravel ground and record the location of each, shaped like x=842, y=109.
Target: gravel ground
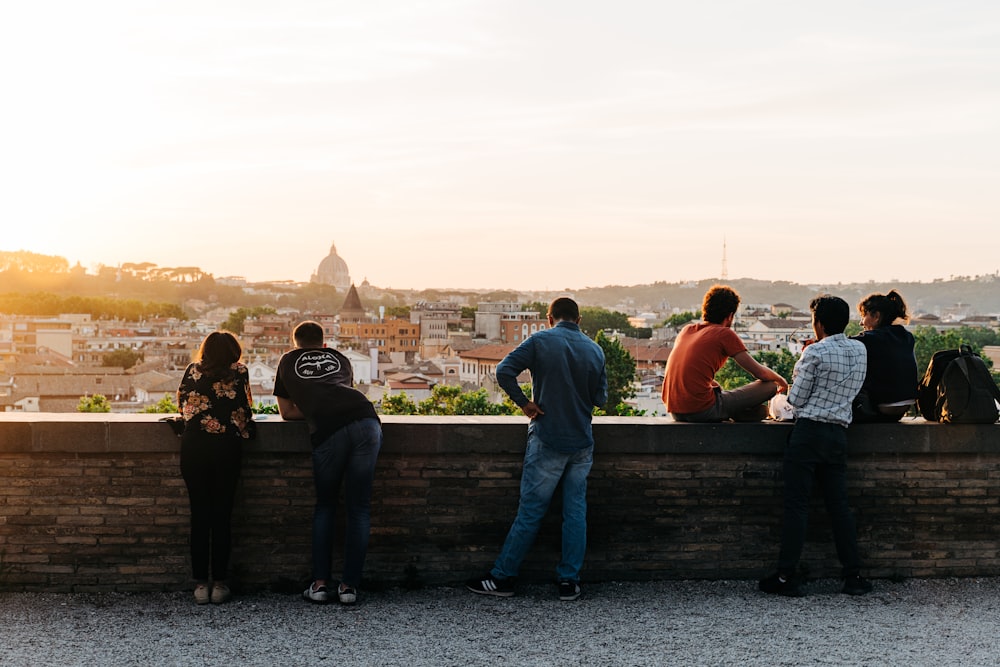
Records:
x=919, y=622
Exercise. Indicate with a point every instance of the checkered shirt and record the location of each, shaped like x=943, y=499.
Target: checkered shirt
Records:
x=827, y=378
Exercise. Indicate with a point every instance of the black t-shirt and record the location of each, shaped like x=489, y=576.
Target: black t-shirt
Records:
x=318, y=381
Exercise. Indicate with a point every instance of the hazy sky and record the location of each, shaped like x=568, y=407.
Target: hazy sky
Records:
x=507, y=143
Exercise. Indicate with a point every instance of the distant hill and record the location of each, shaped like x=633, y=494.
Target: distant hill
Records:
x=26, y=273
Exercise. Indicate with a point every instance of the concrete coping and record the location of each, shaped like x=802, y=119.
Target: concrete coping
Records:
x=109, y=432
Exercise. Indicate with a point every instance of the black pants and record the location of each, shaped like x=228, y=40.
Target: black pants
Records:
x=817, y=452
x=210, y=465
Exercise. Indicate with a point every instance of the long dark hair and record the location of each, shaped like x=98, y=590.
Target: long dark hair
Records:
x=890, y=307
x=218, y=352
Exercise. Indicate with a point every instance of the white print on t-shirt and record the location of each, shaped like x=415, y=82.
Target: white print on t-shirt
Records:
x=315, y=365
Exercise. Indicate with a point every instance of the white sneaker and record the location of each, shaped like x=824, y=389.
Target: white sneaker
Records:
x=347, y=595
x=317, y=594
x=201, y=595
x=221, y=593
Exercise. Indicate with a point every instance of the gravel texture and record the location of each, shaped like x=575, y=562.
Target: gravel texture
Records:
x=919, y=622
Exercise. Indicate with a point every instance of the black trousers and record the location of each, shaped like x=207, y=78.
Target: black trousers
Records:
x=210, y=465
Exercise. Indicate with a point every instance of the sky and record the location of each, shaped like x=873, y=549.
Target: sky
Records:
x=536, y=144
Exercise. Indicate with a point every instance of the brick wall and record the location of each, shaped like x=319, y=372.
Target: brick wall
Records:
x=96, y=502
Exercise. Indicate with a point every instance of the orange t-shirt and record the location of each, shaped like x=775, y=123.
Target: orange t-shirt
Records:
x=700, y=351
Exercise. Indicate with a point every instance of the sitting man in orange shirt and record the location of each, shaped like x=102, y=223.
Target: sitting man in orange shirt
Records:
x=690, y=392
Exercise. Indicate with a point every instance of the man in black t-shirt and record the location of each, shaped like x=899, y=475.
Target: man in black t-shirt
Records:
x=314, y=383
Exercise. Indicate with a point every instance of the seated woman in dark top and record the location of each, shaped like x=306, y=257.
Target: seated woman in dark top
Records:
x=891, y=382
x=214, y=398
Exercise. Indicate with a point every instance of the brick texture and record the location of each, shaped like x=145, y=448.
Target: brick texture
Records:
x=666, y=501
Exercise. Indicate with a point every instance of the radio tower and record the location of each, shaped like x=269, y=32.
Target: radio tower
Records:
x=725, y=265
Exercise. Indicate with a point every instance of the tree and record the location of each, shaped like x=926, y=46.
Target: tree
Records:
x=593, y=320
x=677, y=320
x=398, y=404
x=401, y=312
x=620, y=368
x=164, y=406
x=732, y=375
x=928, y=340
x=95, y=403
x=238, y=317
x=123, y=357
x=447, y=400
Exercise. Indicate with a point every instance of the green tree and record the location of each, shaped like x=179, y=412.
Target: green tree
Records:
x=94, y=403
x=731, y=375
x=238, y=317
x=400, y=312
x=259, y=408
x=620, y=368
x=928, y=340
x=677, y=320
x=398, y=404
x=123, y=357
x=165, y=406
x=594, y=319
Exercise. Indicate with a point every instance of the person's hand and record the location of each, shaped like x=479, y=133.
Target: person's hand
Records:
x=531, y=410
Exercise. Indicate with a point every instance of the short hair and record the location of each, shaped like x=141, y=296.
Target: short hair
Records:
x=564, y=308
x=890, y=307
x=720, y=302
x=218, y=352
x=308, y=334
x=832, y=312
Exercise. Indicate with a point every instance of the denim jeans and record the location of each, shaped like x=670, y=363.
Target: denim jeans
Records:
x=817, y=451
x=210, y=465
x=348, y=456
x=543, y=468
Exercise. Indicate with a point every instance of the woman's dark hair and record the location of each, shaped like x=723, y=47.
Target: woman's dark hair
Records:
x=218, y=352
x=720, y=302
x=890, y=307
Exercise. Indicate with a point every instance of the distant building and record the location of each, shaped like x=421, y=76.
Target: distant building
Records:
x=506, y=322
x=333, y=271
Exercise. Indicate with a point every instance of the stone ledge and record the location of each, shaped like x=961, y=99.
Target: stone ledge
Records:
x=89, y=433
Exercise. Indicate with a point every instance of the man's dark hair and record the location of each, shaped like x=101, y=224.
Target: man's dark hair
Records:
x=832, y=312
x=308, y=334
x=564, y=308
x=720, y=302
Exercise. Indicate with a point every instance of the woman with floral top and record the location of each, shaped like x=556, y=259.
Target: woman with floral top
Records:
x=214, y=399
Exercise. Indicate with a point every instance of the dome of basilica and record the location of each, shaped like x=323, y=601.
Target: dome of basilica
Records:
x=333, y=271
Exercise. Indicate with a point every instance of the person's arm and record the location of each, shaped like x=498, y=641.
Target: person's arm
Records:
x=805, y=379
x=601, y=396
x=288, y=409
x=515, y=363
x=759, y=371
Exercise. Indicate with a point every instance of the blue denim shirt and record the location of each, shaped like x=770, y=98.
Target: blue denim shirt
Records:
x=568, y=381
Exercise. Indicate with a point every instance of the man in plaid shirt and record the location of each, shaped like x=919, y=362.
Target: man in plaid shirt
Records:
x=827, y=378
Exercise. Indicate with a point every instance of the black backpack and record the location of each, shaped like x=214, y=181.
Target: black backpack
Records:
x=958, y=389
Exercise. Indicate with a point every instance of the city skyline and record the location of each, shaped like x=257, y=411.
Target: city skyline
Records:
x=508, y=144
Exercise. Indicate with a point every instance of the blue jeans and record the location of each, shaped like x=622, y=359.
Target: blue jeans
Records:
x=348, y=456
x=817, y=452
x=543, y=468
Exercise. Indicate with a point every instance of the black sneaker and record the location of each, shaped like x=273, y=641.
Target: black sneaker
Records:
x=568, y=590
x=855, y=584
x=490, y=585
x=776, y=586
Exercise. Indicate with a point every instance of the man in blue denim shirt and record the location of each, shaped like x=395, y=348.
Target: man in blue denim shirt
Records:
x=568, y=381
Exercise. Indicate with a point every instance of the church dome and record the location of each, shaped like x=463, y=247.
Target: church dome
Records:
x=333, y=271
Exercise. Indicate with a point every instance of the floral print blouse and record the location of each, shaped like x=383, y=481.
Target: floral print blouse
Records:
x=217, y=405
